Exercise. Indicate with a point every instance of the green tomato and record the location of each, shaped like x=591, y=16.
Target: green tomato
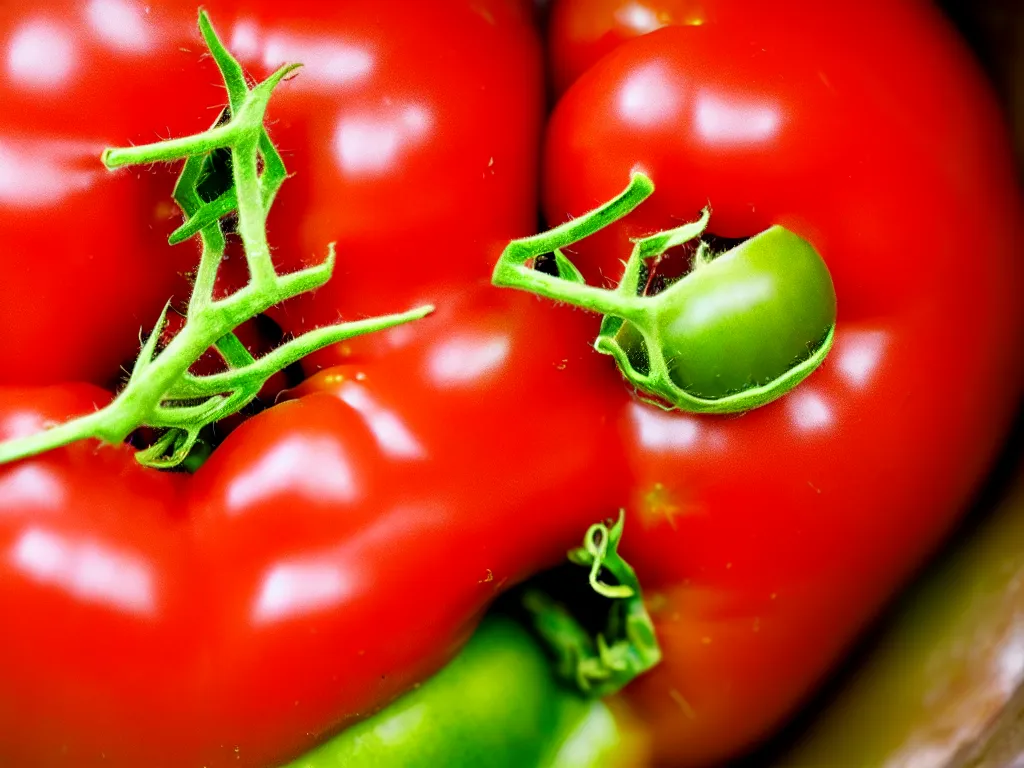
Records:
x=737, y=332
x=746, y=318
x=496, y=704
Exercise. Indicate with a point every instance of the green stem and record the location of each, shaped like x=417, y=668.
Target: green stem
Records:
x=161, y=391
x=656, y=244
x=252, y=225
x=233, y=351
x=208, y=214
x=95, y=424
x=579, y=295
x=293, y=351
x=625, y=647
x=514, y=271
x=172, y=149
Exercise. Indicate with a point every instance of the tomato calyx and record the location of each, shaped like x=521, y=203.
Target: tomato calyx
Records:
x=598, y=661
x=161, y=392
x=740, y=330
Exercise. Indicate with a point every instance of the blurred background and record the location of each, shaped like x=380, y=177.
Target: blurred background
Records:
x=995, y=30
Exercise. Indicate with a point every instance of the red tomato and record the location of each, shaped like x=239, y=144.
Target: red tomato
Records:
x=580, y=32
x=770, y=539
x=332, y=552
x=239, y=616
x=411, y=135
x=86, y=265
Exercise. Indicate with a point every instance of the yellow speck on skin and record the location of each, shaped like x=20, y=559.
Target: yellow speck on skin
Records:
x=774, y=595
x=163, y=210
x=488, y=578
x=334, y=378
x=705, y=640
x=485, y=13
x=659, y=504
x=655, y=601
x=684, y=705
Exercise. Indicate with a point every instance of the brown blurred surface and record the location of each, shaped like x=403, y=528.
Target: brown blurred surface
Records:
x=995, y=30
x=943, y=684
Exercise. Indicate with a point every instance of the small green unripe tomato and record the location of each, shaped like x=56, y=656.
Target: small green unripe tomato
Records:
x=737, y=323
x=497, y=704
x=737, y=332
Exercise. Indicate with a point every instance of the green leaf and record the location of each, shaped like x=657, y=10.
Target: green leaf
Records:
x=207, y=214
x=230, y=69
x=601, y=663
x=566, y=269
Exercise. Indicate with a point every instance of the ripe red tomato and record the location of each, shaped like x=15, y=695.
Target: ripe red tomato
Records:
x=580, y=32
x=236, y=617
x=337, y=549
x=768, y=540
x=332, y=552
x=411, y=134
x=86, y=265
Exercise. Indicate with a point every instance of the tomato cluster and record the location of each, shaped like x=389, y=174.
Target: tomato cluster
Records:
x=339, y=547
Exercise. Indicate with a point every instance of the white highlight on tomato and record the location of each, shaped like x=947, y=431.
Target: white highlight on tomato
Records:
x=30, y=485
x=464, y=359
x=649, y=96
x=41, y=54
x=858, y=355
x=722, y=121
x=373, y=142
x=392, y=435
x=87, y=570
x=120, y=24
x=299, y=588
x=316, y=467
x=808, y=409
x=326, y=63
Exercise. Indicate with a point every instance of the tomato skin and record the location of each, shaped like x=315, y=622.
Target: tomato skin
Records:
x=193, y=672
x=580, y=32
x=411, y=134
x=86, y=262
x=418, y=157
x=333, y=551
x=93, y=571
x=770, y=539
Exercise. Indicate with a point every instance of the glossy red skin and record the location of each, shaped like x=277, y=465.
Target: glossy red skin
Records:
x=326, y=558
x=580, y=32
x=412, y=136
x=770, y=539
x=86, y=265
x=187, y=677
x=422, y=160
